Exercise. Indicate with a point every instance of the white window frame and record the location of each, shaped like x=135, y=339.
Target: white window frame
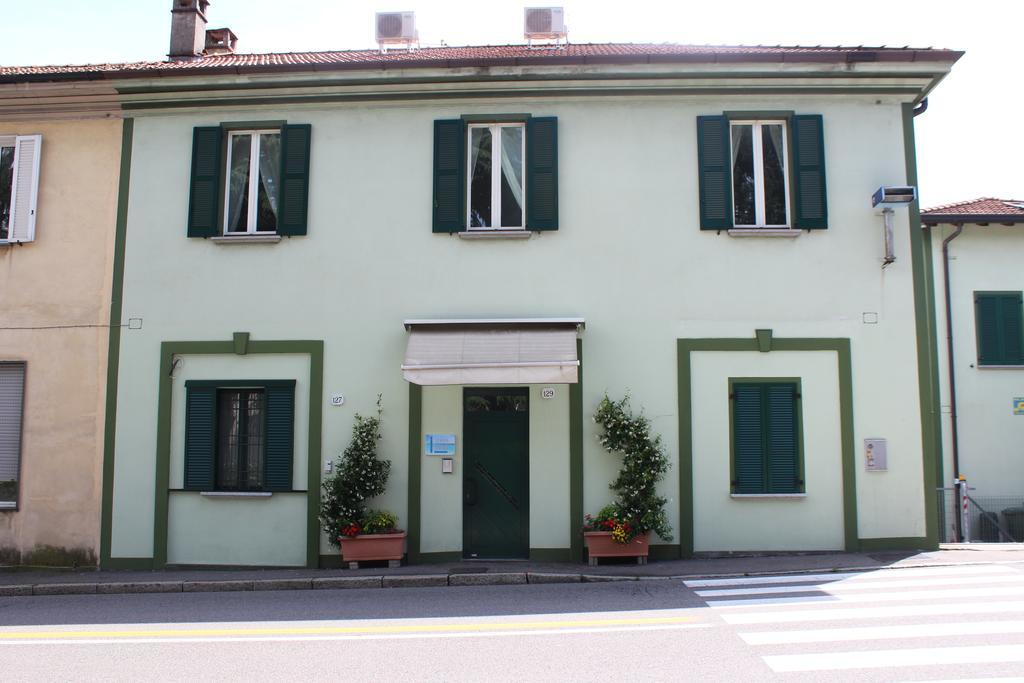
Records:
x=495, y=129
x=759, y=208
x=254, y=179
x=16, y=142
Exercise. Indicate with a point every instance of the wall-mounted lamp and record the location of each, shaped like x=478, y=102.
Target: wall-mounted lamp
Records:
x=888, y=197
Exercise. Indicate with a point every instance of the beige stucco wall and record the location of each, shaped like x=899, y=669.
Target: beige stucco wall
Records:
x=62, y=279
x=982, y=258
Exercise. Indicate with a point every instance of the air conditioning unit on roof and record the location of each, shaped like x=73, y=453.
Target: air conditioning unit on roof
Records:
x=396, y=27
x=544, y=22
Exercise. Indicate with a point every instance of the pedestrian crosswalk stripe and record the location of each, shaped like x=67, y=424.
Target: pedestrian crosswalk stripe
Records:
x=877, y=597
x=842, y=586
x=830, y=613
x=889, y=573
x=876, y=659
x=836, y=635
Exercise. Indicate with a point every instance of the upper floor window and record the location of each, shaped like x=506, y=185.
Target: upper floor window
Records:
x=497, y=154
x=760, y=182
x=1000, y=328
x=496, y=174
x=761, y=170
x=19, y=186
x=254, y=179
x=249, y=181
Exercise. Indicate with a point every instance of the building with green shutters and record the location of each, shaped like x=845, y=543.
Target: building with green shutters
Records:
x=492, y=238
x=978, y=289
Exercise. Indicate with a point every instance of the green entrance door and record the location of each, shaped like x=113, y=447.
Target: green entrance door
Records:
x=495, y=475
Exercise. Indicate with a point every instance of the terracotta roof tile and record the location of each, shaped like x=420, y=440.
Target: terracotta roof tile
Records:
x=985, y=205
x=488, y=55
x=984, y=210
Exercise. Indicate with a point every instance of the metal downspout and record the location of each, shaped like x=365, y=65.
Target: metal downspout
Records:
x=954, y=433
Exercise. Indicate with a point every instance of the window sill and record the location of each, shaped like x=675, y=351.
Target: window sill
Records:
x=1001, y=367
x=768, y=495
x=246, y=239
x=236, y=494
x=764, y=232
x=517, y=234
x=8, y=505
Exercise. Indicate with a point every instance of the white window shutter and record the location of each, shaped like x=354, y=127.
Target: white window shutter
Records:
x=27, y=150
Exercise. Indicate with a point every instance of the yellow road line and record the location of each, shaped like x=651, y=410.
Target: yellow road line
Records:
x=334, y=630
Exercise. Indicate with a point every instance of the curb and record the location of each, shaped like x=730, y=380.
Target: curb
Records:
x=408, y=581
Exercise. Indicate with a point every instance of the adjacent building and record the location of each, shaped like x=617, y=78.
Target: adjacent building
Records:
x=976, y=245
x=60, y=151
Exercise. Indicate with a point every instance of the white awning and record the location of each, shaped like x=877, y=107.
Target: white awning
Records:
x=492, y=351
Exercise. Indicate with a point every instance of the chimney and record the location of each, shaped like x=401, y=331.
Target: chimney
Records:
x=188, y=29
x=220, y=41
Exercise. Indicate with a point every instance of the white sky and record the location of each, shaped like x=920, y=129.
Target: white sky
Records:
x=963, y=152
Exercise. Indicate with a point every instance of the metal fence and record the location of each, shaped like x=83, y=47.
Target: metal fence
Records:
x=992, y=519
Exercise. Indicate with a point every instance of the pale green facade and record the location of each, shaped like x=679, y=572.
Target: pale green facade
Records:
x=628, y=257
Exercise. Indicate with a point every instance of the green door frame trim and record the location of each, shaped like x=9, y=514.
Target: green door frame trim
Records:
x=113, y=358
x=575, y=552
x=841, y=346
x=927, y=344
x=168, y=350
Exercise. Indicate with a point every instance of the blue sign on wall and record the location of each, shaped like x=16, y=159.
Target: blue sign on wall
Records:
x=440, y=444
x=1018, y=406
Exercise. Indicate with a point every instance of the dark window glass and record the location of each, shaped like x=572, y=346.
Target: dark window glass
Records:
x=6, y=189
x=511, y=176
x=270, y=171
x=774, y=175
x=240, y=439
x=497, y=403
x=238, y=184
x=480, y=178
x=743, y=174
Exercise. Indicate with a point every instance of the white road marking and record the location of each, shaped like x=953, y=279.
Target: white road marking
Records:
x=876, y=659
x=830, y=614
x=877, y=597
x=867, y=575
x=835, y=635
x=842, y=586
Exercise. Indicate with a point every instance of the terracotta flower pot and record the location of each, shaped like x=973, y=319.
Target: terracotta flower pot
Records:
x=367, y=547
x=600, y=544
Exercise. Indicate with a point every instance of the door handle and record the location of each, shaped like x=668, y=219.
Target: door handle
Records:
x=469, y=492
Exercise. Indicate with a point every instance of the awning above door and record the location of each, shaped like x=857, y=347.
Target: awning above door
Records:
x=492, y=351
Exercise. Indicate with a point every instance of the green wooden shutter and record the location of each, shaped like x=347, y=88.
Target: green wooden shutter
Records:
x=782, y=439
x=200, y=437
x=280, y=437
x=204, y=195
x=542, y=173
x=293, y=201
x=808, y=145
x=449, y=175
x=747, y=439
x=1012, y=332
x=714, y=167
x=999, y=328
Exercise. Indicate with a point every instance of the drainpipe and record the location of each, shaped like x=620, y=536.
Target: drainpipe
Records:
x=921, y=107
x=949, y=354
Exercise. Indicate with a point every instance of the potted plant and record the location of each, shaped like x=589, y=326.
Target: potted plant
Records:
x=623, y=528
x=362, y=534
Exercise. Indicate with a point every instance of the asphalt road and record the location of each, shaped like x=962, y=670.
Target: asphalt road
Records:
x=908, y=624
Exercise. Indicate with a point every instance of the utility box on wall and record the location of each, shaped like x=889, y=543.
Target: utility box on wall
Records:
x=876, y=455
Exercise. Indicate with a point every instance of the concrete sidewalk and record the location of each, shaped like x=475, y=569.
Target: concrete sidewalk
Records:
x=21, y=582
